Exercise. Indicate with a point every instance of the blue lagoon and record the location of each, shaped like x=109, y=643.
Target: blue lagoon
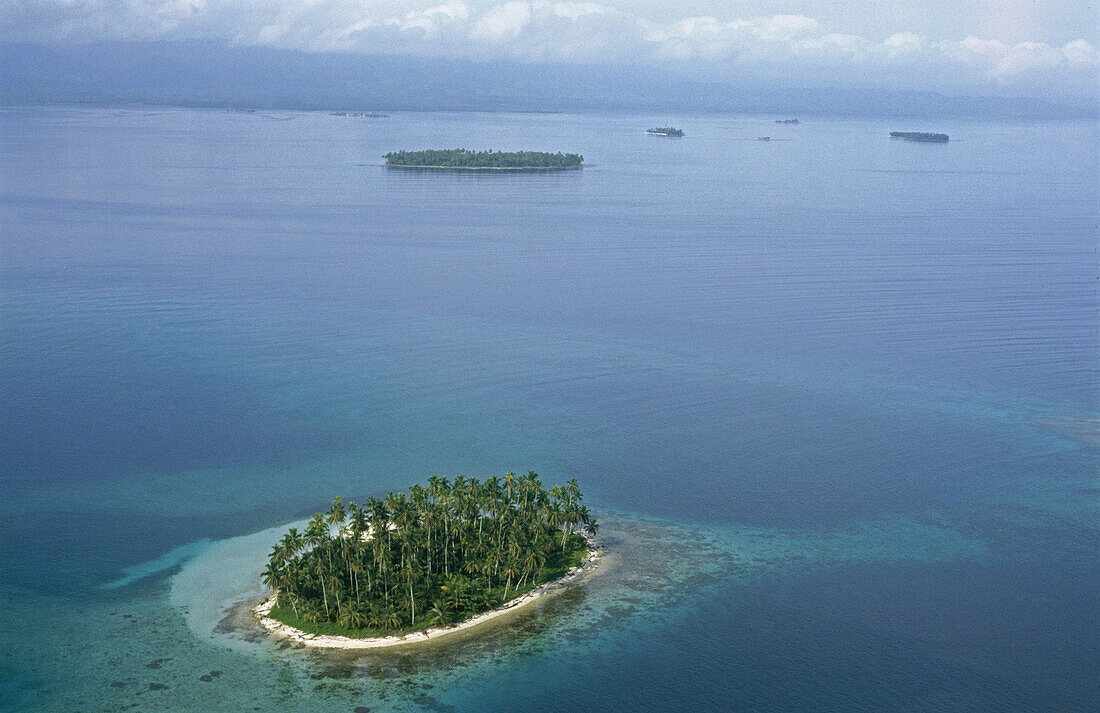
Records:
x=837, y=410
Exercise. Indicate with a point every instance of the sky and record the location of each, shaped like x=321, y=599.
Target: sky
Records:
x=981, y=46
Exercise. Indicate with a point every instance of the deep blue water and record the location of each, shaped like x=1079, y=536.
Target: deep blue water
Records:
x=838, y=396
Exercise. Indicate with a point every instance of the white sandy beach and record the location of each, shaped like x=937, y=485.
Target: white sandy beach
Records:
x=262, y=611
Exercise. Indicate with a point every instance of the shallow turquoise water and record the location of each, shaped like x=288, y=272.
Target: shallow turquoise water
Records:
x=835, y=396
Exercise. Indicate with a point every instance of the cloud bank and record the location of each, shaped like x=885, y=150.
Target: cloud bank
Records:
x=793, y=47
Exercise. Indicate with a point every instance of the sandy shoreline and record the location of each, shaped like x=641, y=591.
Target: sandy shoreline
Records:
x=263, y=609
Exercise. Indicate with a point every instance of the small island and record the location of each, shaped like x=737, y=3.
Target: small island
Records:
x=444, y=555
x=360, y=114
x=665, y=131
x=919, y=136
x=461, y=159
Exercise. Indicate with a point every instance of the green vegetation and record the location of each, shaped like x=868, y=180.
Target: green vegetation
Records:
x=919, y=136
x=463, y=159
x=665, y=131
x=449, y=551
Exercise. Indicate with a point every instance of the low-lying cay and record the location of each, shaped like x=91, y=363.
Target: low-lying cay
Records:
x=441, y=558
x=924, y=136
x=461, y=159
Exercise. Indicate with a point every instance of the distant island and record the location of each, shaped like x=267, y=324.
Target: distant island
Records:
x=484, y=160
x=360, y=114
x=787, y=121
x=441, y=555
x=665, y=131
x=919, y=136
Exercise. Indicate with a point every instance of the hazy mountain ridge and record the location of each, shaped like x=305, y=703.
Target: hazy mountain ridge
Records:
x=196, y=73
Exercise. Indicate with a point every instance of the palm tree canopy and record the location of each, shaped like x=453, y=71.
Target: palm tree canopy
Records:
x=451, y=549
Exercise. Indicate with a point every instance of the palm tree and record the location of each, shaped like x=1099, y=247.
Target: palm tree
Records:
x=439, y=614
x=376, y=619
x=472, y=567
x=381, y=555
x=510, y=482
x=511, y=569
x=336, y=515
x=479, y=531
x=352, y=618
x=496, y=558
x=555, y=517
x=292, y=544
x=532, y=562
x=410, y=572
x=273, y=578
x=321, y=573
x=392, y=619
x=359, y=525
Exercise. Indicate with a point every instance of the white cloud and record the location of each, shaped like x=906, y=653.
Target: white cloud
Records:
x=433, y=22
x=575, y=10
x=1080, y=51
x=1007, y=62
x=784, y=27
x=903, y=43
x=504, y=21
x=552, y=31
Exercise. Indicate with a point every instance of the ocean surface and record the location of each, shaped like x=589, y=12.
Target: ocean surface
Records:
x=834, y=397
